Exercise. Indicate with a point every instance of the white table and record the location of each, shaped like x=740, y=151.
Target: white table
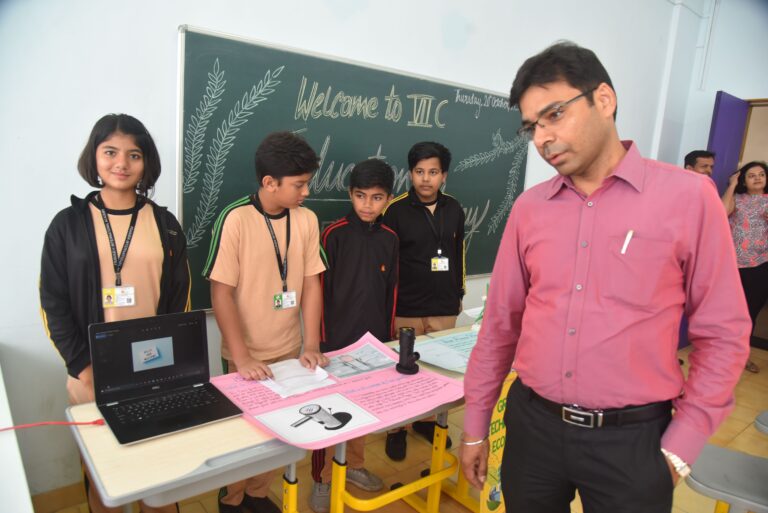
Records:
x=178, y=466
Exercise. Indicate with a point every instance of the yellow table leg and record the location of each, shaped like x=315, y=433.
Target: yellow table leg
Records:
x=290, y=493
x=338, y=486
x=437, y=464
x=722, y=507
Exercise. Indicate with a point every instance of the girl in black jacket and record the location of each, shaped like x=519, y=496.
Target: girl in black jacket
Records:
x=114, y=255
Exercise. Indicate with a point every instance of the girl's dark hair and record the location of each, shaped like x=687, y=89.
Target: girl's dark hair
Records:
x=741, y=185
x=128, y=125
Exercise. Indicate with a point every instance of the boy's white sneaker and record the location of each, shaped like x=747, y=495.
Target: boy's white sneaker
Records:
x=364, y=480
x=320, y=498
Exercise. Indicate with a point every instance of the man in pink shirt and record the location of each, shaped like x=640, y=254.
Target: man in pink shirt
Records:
x=595, y=269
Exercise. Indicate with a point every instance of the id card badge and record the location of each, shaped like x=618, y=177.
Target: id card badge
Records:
x=284, y=300
x=439, y=263
x=118, y=297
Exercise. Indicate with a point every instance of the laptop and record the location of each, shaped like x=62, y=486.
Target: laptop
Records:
x=151, y=376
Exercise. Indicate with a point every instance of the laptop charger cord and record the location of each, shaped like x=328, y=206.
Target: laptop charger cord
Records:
x=99, y=422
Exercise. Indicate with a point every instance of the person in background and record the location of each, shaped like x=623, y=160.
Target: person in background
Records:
x=700, y=161
x=114, y=243
x=746, y=202
x=593, y=273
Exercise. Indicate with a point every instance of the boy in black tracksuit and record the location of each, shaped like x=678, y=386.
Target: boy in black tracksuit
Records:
x=430, y=226
x=359, y=294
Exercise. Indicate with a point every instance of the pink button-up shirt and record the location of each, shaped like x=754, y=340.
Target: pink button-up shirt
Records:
x=590, y=315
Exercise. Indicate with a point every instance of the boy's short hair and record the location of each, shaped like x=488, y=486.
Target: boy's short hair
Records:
x=427, y=150
x=283, y=154
x=372, y=173
x=106, y=127
x=563, y=61
x=692, y=157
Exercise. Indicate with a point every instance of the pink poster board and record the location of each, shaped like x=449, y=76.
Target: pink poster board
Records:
x=368, y=395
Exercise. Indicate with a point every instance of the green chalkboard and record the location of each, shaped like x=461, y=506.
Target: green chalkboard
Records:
x=234, y=92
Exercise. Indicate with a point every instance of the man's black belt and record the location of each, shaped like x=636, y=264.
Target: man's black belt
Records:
x=582, y=417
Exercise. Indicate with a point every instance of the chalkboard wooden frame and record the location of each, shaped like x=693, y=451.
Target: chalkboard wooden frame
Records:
x=486, y=175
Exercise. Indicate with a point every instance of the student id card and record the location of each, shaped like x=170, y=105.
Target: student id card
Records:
x=284, y=300
x=118, y=297
x=439, y=263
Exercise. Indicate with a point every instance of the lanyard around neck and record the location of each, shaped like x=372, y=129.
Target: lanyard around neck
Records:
x=282, y=263
x=437, y=233
x=118, y=261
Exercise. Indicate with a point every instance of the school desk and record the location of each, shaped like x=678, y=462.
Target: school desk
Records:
x=174, y=467
x=443, y=464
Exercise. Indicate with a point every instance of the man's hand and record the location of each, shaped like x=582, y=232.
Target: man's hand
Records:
x=474, y=463
x=675, y=475
x=86, y=377
x=312, y=358
x=250, y=368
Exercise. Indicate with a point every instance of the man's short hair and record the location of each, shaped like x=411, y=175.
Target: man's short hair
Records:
x=283, y=154
x=428, y=150
x=372, y=173
x=690, y=159
x=563, y=61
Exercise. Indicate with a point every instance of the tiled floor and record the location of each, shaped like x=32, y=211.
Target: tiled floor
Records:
x=737, y=432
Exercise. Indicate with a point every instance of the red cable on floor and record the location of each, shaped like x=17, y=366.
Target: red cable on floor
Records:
x=99, y=422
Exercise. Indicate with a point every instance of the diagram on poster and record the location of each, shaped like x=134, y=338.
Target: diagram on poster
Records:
x=371, y=395
x=359, y=361
x=312, y=421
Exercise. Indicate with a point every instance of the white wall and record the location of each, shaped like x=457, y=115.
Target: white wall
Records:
x=67, y=63
x=736, y=64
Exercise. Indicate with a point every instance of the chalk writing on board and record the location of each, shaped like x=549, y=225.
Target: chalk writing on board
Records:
x=394, y=106
x=198, y=123
x=326, y=104
x=481, y=101
x=422, y=111
x=218, y=150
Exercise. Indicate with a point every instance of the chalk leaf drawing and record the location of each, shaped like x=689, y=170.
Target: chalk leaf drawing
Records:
x=500, y=147
x=198, y=123
x=218, y=150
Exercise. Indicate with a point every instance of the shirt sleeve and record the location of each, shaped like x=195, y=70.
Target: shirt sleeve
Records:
x=718, y=328
x=492, y=357
x=180, y=276
x=55, y=304
x=225, y=251
x=313, y=263
x=327, y=247
x=392, y=281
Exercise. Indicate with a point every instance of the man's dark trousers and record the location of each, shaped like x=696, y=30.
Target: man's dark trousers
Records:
x=616, y=469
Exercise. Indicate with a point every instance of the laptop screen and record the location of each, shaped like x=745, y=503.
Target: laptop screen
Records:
x=149, y=355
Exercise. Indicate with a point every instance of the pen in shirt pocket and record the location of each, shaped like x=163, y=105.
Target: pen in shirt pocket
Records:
x=628, y=238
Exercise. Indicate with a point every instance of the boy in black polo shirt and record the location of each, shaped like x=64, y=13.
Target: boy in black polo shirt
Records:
x=430, y=226
x=359, y=292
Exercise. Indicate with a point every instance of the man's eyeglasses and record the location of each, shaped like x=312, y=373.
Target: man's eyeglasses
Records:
x=550, y=117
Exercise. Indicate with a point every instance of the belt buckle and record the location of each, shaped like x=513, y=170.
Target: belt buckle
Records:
x=582, y=418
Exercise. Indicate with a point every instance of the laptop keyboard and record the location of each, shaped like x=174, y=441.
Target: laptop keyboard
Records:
x=169, y=404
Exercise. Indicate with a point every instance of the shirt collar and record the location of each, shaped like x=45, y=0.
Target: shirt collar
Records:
x=631, y=169
x=417, y=202
x=354, y=220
